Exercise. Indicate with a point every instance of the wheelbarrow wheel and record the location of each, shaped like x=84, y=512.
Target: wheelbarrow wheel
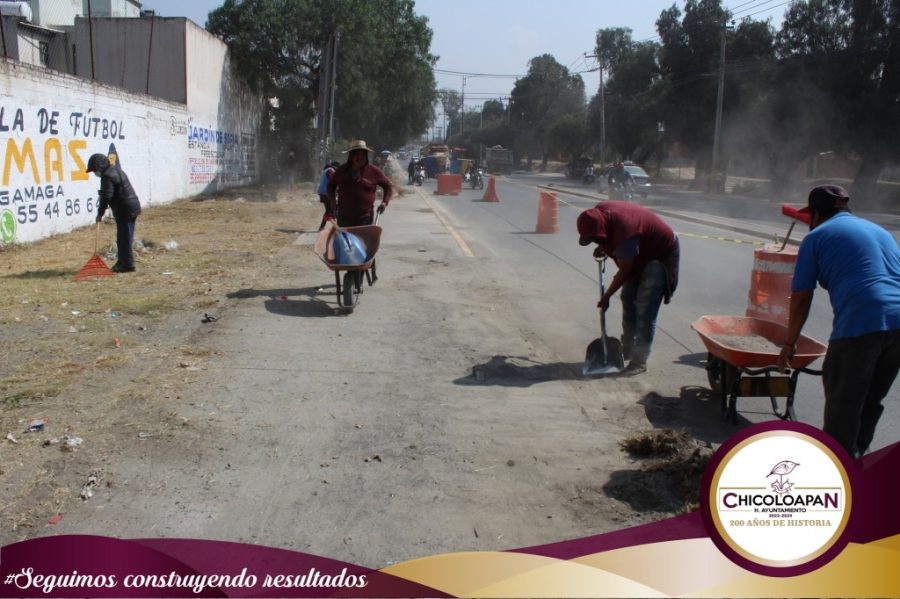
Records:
x=715, y=373
x=351, y=288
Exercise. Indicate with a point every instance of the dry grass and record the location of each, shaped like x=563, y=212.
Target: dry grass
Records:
x=99, y=358
x=673, y=460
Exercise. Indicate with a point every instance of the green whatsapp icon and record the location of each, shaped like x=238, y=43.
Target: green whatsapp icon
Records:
x=7, y=226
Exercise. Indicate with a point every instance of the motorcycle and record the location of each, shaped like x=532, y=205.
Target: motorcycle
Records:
x=477, y=179
x=621, y=191
x=588, y=177
x=419, y=176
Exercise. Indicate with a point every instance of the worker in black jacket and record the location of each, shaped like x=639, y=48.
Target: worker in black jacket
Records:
x=117, y=193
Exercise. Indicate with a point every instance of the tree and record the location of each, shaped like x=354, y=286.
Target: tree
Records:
x=546, y=93
x=571, y=135
x=632, y=102
x=851, y=49
x=451, y=104
x=493, y=110
x=611, y=45
x=278, y=46
x=688, y=60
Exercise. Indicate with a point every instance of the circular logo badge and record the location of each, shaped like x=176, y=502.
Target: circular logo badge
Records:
x=7, y=227
x=777, y=498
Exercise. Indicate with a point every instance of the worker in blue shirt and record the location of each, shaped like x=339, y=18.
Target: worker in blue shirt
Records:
x=858, y=263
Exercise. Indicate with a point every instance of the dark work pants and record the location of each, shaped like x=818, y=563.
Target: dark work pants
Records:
x=857, y=374
x=125, y=241
x=641, y=299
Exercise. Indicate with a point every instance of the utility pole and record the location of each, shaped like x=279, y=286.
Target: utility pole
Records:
x=602, y=109
x=719, y=99
x=327, y=88
x=462, y=108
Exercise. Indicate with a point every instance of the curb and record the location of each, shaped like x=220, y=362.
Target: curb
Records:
x=693, y=219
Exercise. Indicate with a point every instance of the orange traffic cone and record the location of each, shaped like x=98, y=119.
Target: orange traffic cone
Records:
x=490, y=194
x=548, y=213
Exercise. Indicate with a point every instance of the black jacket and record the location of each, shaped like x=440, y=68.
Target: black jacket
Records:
x=117, y=193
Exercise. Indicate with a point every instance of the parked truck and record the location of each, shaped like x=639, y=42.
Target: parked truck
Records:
x=498, y=160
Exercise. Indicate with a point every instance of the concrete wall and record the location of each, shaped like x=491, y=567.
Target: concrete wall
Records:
x=124, y=50
x=219, y=105
x=50, y=123
x=112, y=8
x=53, y=13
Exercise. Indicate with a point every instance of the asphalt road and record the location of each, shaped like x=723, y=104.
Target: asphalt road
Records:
x=718, y=235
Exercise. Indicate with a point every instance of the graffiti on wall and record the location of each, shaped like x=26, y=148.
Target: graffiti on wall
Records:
x=217, y=157
x=43, y=176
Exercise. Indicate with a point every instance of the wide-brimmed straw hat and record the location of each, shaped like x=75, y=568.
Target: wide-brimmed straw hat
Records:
x=358, y=144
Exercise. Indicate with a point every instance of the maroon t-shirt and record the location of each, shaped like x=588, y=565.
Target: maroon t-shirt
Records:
x=356, y=191
x=625, y=220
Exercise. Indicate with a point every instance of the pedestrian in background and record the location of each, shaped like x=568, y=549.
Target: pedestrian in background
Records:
x=117, y=194
x=858, y=262
x=354, y=183
x=645, y=250
x=327, y=173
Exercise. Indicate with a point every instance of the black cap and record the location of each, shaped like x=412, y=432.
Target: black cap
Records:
x=825, y=197
x=97, y=163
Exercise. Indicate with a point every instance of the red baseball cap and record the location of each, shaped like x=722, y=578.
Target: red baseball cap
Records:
x=591, y=225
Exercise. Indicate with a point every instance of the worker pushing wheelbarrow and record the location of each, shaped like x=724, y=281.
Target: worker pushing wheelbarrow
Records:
x=349, y=245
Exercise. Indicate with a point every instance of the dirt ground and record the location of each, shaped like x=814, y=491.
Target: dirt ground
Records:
x=103, y=364
x=94, y=358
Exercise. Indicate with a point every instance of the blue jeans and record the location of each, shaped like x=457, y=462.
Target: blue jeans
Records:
x=641, y=299
x=125, y=241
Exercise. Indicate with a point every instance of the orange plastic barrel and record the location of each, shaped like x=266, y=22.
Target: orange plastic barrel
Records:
x=548, y=213
x=770, y=282
x=449, y=185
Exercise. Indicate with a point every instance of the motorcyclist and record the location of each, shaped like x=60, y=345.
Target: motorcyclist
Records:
x=411, y=169
x=617, y=179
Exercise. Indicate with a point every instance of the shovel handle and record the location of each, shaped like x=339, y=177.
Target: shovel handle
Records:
x=601, y=267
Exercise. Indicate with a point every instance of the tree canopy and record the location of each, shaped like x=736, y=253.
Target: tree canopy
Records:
x=385, y=83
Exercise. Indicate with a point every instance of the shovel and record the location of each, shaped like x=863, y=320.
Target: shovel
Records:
x=604, y=355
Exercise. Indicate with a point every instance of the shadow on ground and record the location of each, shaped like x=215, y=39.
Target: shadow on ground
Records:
x=519, y=371
x=41, y=274
x=285, y=302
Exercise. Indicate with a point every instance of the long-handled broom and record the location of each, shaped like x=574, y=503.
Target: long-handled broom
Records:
x=95, y=267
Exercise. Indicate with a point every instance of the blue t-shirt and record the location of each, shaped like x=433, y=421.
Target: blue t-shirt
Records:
x=858, y=262
x=323, y=181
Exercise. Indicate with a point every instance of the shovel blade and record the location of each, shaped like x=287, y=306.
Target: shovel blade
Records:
x=603, y=356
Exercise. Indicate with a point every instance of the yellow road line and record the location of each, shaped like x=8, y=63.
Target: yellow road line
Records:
x=463, y=246
x=716, y=238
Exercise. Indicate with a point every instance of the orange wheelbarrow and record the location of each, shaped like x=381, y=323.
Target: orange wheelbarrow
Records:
x=743, y=357
x=349, y=290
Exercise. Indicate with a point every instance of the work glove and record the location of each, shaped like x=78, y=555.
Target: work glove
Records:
x=381, y=207
x=99, y=218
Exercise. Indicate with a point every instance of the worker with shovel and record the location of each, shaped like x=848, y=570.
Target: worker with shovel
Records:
x=117, y=193
x=645, y=250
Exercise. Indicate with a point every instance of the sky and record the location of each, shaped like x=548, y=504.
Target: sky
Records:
x=474, y=38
